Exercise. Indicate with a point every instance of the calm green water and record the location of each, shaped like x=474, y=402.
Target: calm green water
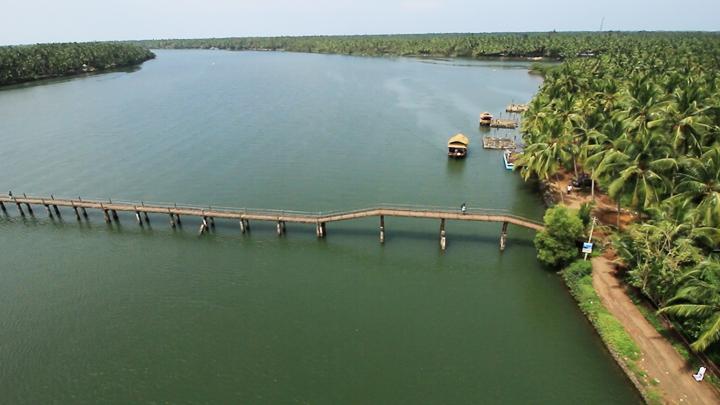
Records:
x=92, y=313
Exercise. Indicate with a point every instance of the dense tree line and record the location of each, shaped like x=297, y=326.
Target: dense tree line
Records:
x=643, y=120
x=550, y=45
x=33, y=62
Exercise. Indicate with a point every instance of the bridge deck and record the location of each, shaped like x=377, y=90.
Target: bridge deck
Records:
x=284, y=216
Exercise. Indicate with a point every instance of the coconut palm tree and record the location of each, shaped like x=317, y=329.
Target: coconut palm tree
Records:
x=683, y=118
x=699, y=300
x=699, y=187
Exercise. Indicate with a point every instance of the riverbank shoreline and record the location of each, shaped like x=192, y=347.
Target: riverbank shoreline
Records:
x=579, y=279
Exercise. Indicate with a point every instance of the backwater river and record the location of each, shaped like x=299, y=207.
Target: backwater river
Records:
x=92, y=313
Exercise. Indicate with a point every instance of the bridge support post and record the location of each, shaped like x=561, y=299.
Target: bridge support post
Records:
x=137, y=216
x=84, y=213
x=503, y=236
x=244, y=225
x=29, y=208
x=115, y=215
x=19, y=207
x=177, y=220
x=382, y=229
x=280, y=228
x=2, y=207
x=77, y=213
x=212, y=222
x=172, y=221
x=57, y=211
x=107, y=216
x=203, y=226
x=320, y=229
x=323, y=230
x=147, y=219
x=49, y=211
x=443, y=240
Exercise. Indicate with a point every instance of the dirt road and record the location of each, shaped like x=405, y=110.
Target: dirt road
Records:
x=659, y=359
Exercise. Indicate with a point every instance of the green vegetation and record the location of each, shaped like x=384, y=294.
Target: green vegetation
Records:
x=550, y=45
x=643, y=119
x=34, y=62
x=557, y=245
x=578, y=277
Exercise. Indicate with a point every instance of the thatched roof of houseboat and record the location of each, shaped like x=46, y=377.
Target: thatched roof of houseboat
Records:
x=458, y=141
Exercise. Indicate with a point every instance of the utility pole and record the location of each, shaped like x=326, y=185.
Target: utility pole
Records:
x=592, y=228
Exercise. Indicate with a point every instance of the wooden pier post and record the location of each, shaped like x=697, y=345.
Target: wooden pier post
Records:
x=137, y=216
x=29, y=208
x=172, y=221
x=147, y=219
x=177, y=220
x=77, y=213
x=57, y=211
x=503, y=236
x=49, y=211
x=2, y=207
x=212, y=222
x=382, y=229
x=106, y=215
x=84, y=212
x=115, y=215
x=244, y=225
x=443, y=240
x=280, y=228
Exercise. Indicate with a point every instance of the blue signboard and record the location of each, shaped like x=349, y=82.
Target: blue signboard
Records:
x=587, y=247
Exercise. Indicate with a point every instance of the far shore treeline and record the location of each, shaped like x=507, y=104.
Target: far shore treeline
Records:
x=552, y=45
x=24, y=63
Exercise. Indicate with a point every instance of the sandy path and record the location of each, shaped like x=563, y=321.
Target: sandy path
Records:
x=659, y=358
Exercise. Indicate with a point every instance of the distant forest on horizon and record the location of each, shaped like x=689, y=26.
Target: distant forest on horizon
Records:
x=555, y=45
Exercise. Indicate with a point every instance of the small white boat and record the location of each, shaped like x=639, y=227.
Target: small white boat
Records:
x=508, y=159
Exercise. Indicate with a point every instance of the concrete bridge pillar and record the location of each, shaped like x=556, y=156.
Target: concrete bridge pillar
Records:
x=443, y=239
x=503, y=236
x=382, y=229
x=20, y=210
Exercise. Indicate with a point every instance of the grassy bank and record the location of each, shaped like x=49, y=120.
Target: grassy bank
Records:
x=578, y=277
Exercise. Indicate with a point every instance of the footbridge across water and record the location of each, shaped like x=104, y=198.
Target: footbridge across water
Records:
x=208, y=214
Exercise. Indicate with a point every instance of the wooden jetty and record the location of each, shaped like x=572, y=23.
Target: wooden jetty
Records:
x=207, y=215
x=508, y=124
x=516, y=108
x=491, y=142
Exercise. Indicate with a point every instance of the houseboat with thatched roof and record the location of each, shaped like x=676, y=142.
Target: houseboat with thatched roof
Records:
x=486, y=119
x=458, y=146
